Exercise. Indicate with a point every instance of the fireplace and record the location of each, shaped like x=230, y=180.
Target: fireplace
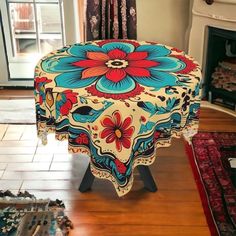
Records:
x=212, y=42
x=220, y=67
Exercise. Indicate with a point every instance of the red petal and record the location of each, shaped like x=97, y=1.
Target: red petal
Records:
x=65, y=108
x=88, y=63
x=95, y=71
x=116, y=75
x=40, y=100
x=128, y=133
x=118, y=145
x=98, y=56
x=126, y=142
x=137, y=56
x=117, y=119
x=110, y=138
x=126, y=123
x=106, y=132
x=107, y=122
x=136, y=71
x=72, y=98
x=116, y=54
x=143, y=63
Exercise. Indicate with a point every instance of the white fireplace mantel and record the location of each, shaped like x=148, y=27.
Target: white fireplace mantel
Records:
x=221, y=14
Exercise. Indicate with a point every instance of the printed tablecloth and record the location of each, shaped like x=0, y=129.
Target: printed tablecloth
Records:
x=117, y=101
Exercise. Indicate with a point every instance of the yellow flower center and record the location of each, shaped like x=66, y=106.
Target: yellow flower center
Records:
x=117, y=63
x=118, y=133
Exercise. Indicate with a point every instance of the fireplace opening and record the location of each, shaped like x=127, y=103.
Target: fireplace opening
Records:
x=220, y=67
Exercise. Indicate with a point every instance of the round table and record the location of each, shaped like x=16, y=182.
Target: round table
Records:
x=117, y=101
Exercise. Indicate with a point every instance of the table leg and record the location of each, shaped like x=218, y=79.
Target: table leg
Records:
x=147, y=178
x=87, y=180
x=144, y=171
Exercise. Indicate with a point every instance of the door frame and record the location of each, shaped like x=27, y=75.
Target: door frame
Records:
x=71, y=35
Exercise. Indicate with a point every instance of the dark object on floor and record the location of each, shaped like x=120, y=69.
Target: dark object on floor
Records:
x=210, y=157
x=24, y=215
x=144, y=171
x=209, y=2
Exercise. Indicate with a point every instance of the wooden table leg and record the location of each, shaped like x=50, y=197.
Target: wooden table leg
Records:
x=144, y=171
x=147, y=178
x=87, y=181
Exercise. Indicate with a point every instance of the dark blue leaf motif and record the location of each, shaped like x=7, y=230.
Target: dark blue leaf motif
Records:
x=149, y=107
x=153, y=109
x=85, y=114
x=171, y=103
x=146, y=127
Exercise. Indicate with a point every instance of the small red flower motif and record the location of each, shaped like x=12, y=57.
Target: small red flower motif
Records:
x=117, y=131
x=120, y=166
x=39, y=81
x=39, y=87
x=68, y=98
x=82, y=139
x=157, y=134
x=143, y=119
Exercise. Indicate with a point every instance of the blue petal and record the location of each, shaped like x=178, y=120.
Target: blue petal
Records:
x=73, y=80
x=126, y=47
x=158, y=80
x=106, y=86
x=154, y=51
x=57, y=64
x=169, y=64
x=80, y=50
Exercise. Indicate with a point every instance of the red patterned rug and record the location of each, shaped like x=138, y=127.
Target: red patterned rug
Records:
x=210, y=155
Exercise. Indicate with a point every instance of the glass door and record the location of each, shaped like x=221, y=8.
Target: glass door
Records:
x=31, y=28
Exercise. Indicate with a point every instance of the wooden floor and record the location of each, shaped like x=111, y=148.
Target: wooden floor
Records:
x=49, y=171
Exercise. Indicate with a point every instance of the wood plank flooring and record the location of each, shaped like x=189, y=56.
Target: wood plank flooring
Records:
x=49, y=171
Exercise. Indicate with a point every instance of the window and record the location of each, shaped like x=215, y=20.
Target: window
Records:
x=36, y=26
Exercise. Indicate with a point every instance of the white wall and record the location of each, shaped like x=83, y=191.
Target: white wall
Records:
x=165, y=21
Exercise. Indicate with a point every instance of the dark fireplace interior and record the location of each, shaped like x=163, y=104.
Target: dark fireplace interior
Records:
x=220, y=70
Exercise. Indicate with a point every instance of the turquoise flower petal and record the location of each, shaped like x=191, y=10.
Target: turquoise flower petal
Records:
x=73, y=80
x=126, y=47
x=169, y=64
x=60, y=64
x=154, y=51
x=106, y=86
x=158, y=80
x=80, y=50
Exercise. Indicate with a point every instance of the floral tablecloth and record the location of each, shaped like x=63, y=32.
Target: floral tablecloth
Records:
x=117, y=100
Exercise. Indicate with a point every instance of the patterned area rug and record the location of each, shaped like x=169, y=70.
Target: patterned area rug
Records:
x=210, y=156
x=17, y=111
x=24, y=215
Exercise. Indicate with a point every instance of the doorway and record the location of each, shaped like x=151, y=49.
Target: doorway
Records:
x=29, y=30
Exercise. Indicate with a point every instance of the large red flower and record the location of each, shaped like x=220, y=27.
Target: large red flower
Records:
x=116, y=64
x=117, y=131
